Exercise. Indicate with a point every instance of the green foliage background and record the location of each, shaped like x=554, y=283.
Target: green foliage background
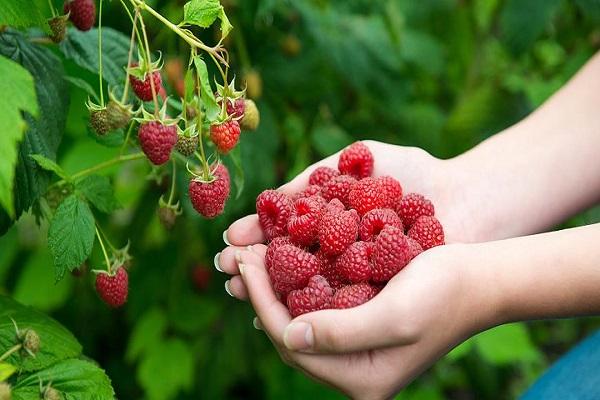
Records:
x=438, y=74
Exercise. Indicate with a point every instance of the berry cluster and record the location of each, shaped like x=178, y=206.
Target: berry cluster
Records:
x=339, y=241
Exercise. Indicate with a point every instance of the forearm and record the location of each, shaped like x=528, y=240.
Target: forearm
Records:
x=542, y=170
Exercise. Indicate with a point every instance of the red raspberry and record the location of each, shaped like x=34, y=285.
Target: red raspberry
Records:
x=366, y=195
x=273, y=209
x=321, y=175
x=427, y=231
x=356, y=160
x=113, y=288
x=225, y=135
x=392, y=190
x=328, y=270
x=208, y=198
x=355, y=263
x=338, y=231
x=413, y=206
x=375, y=220
x=157, y=141
x=83, y=13
x=312, y=190
x=272, y=247
x=338, y=188
x=353, y=295
x=236, y=108
x=291, y=268
x=314, y=297
x=334, y=207
x=415, y=248
x=201, y=277
x=303, y=223
x=143, y=88
x=392, y=253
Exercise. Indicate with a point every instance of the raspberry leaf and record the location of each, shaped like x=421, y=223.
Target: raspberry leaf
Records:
x=208, y=97
x=71, y=235
x=202, y=13
x=98, y=191
x=49, y=165
x=23, y=13
x=6, y=370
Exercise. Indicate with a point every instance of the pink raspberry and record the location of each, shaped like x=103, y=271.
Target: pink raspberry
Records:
x=314, y=297
x=353, y=295
x=427, y=231
x=321, y=175
x=366, y=195
x=392, y=253
x=375, y=220
x=338, y=188
x=338, y=231
x=291, y=268
x=355, y=263
x=413, y=206
x=392, y=190
x=303, y=223
x=356, y=160
x=273, y=209
x=272, y=247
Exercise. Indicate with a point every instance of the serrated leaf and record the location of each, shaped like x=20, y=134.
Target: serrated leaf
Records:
x=147, y=333
x=202, y=13
x=44, y=133
x=22, y=13
x=190, y=85
x=507, y=344
x=18, y=95
x=207, y=95
x=238, y=176
x=6, y=371
x=226, y=26
x=74, y=379
x=71, y=235
x=98, y=190
x=48, y=165
x=56, y=342
x=86, y=87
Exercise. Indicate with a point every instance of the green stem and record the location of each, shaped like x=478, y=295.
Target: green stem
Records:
x=129, y=57
x=10, y=351
x=200, y=135
x=173, y=176
x=240, y=43
x=110, y=245
x=127, y=136
x=148, y=63
x=100, y=54
x=106, y=259
x=52, y=8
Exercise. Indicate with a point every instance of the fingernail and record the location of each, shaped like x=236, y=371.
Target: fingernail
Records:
x=242, y=268
x=216, y=262
x=256, y=324
x=227, y=288
x=238, y=256
x=225, y=238
x=298, y=336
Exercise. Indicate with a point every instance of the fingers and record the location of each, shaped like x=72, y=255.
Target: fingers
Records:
x=244, y=231
x=235, y=288
x=227, y=260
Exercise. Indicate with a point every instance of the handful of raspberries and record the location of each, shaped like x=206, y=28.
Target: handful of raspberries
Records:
x=338, y=242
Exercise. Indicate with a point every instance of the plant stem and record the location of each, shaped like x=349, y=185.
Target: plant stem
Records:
x=129, y=130
x=110, y=245
x=173, y=175
x=52, y=8
x=148, y=63
x=240, y=43
x=105, y=164
x=106, y=259
x=10, y=351
x=100, y=54
x=200, y=135
x=129, y=57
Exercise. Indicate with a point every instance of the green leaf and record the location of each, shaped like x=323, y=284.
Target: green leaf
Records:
x=48, y=165
x=201, y=13
x=238, y=177
x=507, y=344
x=208, y=97
x=98, y=190
x=461, y=350
x=147, y=333
x=56, y=343
x=6, y=371
x=71, y=235
x=18, y=95
x=226, y=26
x=327, y=138
x=82, y=48
x=44, y=133
x=74, y=379
x=23, y=13
x=86, y=87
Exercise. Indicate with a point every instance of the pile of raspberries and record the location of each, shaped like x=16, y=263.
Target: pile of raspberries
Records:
x=338, y=242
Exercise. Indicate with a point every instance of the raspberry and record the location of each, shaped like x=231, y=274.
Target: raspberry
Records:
x=272, y=247
x=157, y=141
x=113, y=288
x=143, y=88
x=291, y=268
x=303, y=223
x=236, y=108
x=415, y=248
x=321, y=175
x=208, y=198
x=353, y=295
x=225, y=135
x=338, y=231
x=355, y=263
x=99, y=121
x=251, y=118
x=119, y=114
x=273, y=209
x=427, y=231
x=392, y=253
x=311, y=190
x=328, y=270
x=338, y=187
x=314, y=297
x=356, y=160
x=201, y=277
x=375, y=220
x=58, y=27
x=392, y=190
x=334, y=207
x=413, y=206
x=187, y=145
x=167, y=216
x=366, y=195
x=82, y=13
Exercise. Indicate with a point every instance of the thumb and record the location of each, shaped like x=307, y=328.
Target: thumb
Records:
x=372, y=325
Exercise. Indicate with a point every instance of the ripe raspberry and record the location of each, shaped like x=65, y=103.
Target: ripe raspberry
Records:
x=427, y=231
x=143, y=88
x=334, y=207
x=415, y=248
x=236, y=108
x=157, y=141
x=303, y=223
x=375, y=220
x=321, y=175
x=356, y=160
x=187, y=145
x=392, y=253
x=225, y=135
x=355, y=263
x=201, y=277
x=392, y=190
x=273, y=209
x=338, y=231
x=413, y=206
x=366, y=195
x=113, y=288
x=82, y=13
x=353, y=295
x=208, y=198
x=251, y=118
x=291, y=268
x=99, y=121
x=329, y=271
x=272, y=247
x=314, y=297
x=312, y=190
x=338, y=188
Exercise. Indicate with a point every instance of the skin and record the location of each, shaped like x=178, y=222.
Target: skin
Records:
x=519, y=182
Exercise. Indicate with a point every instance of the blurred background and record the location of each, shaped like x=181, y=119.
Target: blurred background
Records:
x=438, y=74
